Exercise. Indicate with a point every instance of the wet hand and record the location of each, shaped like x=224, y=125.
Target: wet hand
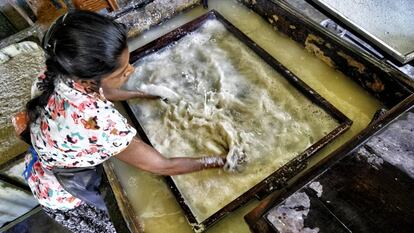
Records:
x=212, y=161
x=164, y=93
x=144, y=95
x=236, y=160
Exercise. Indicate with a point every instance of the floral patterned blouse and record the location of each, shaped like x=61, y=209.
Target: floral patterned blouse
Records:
x=77, y=129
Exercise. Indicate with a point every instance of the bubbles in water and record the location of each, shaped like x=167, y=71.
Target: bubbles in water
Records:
x=132, y=181
x=185, y=75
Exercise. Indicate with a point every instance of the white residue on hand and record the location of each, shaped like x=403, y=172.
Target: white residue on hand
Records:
x=163, y=92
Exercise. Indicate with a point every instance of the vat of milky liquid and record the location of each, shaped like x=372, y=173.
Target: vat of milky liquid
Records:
x=225, y=94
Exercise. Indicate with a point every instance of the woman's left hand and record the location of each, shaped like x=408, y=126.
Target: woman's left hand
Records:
x=144, y=95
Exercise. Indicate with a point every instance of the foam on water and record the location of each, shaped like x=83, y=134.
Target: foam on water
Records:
x=226, y=99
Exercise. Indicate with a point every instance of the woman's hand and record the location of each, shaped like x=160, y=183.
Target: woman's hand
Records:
x=144, y=157
x=144, y=95
x=236, y=160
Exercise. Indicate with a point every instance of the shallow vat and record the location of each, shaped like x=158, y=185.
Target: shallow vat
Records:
x=225, y=97
x=155, y=208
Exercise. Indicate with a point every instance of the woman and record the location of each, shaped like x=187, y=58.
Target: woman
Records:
x=73, y=125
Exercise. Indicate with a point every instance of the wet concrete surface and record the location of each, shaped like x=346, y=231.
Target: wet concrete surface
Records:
x=22, y=63
x=152, y=14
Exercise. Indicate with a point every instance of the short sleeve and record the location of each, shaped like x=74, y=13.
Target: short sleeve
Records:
x=108, y=133
x=79, y=130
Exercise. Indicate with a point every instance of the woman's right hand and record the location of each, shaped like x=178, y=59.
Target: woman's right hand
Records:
x=236, y=160
x=145, y=157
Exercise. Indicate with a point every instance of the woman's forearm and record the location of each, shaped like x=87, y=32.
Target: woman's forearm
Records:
x=113, y=94
x=181, y=165
x=144, y=157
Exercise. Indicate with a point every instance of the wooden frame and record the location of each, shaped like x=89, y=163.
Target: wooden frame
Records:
x=122, y=204
x=277, y=179
x=95, y=5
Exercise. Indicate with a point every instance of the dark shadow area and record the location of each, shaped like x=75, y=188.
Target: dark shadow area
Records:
x=38, y=223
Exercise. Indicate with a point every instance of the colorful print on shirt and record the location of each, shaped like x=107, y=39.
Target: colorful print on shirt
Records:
x=77, y=129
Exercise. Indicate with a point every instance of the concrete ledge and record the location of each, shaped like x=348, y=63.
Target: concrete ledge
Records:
x=154, y=13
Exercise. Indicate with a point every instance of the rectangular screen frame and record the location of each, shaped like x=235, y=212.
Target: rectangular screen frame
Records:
x=278, y=179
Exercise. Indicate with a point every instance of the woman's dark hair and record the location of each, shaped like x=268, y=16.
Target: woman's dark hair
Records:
x=80, y=44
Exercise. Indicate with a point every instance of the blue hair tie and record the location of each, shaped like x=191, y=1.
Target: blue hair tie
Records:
x=28, y=171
